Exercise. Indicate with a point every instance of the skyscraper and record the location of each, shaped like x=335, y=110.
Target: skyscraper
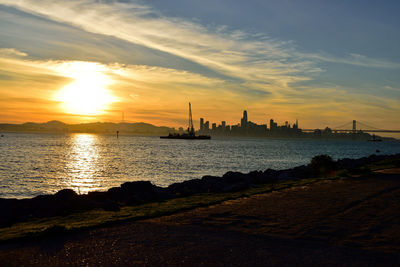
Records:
x=244, y=120
x=207, y=126
x=272, y=125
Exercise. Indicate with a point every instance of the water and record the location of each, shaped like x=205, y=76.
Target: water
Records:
x=34, y=164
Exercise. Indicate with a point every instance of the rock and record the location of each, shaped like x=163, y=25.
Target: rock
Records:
x=98, y=196
x=133, y=193
x=259, y=177
x=185, y=188
x=236, y=187
x=66, y=194
x=285, y=175
x=271, y=173
x=301, y=172
x=139, y=186
x=234, y=177
x=213, y=184
x=110, y=205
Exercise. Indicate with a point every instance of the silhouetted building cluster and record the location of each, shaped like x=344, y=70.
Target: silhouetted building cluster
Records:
x=249, y=128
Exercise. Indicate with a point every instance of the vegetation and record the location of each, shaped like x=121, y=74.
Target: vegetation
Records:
x=384, y=164
x=322, y=165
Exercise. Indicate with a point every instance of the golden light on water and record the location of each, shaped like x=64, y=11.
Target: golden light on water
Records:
x=88, y=93
x=82, y=163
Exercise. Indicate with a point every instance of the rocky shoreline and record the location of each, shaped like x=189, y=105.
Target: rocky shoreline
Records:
x=134, y=193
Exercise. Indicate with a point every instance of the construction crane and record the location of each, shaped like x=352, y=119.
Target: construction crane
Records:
x=190, y=131
x=191, y=128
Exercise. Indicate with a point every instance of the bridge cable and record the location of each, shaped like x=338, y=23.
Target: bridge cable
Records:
x=368, y=126
x=342, y=126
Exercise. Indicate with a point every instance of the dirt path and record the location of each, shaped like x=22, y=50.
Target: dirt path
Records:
x=342, y=222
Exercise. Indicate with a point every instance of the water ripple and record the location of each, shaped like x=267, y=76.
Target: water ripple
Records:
x=33, y=164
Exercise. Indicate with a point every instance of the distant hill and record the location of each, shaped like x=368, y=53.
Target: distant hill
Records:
x=139, y=128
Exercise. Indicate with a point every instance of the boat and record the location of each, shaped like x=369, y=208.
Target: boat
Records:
x=190, y=131
x=185, y=136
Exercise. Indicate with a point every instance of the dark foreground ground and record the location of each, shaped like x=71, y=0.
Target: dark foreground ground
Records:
x=350, y=222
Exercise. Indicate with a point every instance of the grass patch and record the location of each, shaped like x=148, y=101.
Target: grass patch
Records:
x=384, y=164
x=51, y=226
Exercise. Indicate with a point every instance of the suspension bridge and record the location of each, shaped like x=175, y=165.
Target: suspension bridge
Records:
x=355, y=127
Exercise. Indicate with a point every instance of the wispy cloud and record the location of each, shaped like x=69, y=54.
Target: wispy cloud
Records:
x=250, y=57
x=354, y=59
x=4, y=52
x=234, y=53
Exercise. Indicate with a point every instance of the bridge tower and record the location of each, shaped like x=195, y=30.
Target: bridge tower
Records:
x=354, y=126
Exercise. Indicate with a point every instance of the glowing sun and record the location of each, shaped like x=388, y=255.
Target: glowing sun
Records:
x=88, y=93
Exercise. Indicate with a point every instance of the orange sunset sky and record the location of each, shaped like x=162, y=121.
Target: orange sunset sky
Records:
x=86, y=61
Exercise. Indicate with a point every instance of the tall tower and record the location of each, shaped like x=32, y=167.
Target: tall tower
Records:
x=296, y=125
x=201, y=124
x=354, y=126
x=272, y=125
x=244, y=119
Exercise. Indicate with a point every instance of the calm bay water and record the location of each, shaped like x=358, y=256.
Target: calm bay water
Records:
x=34, y=164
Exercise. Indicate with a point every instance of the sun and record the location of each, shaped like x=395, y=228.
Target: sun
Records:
x=88, y=93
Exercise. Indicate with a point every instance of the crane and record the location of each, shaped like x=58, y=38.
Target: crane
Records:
x=190, y=128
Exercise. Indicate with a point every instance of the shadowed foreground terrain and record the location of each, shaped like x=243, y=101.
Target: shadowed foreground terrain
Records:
x=352, y=221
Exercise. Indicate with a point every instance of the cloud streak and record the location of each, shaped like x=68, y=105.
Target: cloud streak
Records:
x=251, y=58
x=11, y=52
x=232, y=53
x=354, y=59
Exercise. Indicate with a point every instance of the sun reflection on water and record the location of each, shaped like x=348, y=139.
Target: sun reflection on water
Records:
x=82, y=163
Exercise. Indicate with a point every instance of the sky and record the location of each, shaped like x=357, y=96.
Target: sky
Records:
x=324, y=63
